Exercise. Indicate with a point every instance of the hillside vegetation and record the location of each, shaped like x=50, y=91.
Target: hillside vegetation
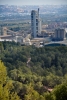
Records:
x=30, y=73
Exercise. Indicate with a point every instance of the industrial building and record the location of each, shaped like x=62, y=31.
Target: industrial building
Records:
x=35, y=23
x=59, y=34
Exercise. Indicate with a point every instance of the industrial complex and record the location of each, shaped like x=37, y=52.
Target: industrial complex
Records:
x=37, y=36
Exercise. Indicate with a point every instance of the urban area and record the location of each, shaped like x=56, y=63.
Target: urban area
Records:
x=34, y=25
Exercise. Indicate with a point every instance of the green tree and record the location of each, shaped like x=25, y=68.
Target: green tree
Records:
x=6, y=86
x=3, y=73
x=31, y=94
x=61, y=92
x=49, y=96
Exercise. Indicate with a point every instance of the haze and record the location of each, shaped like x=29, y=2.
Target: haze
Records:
x=33, y=2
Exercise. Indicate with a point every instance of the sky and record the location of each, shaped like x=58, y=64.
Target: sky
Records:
x=33, y=2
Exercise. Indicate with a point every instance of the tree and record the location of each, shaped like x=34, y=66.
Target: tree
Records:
x=6, y=86
x=1, y=47
x=61, y=92
x=49, y=96
x=31, y=94
x=3, y=73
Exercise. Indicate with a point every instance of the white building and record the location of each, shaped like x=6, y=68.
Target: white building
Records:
x=35, y=23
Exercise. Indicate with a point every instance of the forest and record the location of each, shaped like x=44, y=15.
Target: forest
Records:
x=31, y=73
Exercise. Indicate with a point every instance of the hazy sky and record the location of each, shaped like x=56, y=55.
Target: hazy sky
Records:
x=33, y=2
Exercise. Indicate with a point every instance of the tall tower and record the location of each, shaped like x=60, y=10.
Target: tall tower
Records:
x=35, y=23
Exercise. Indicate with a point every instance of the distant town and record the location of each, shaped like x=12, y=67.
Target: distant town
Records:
x=34, y=25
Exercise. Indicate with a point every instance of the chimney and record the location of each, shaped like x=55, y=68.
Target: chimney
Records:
x=38, y=11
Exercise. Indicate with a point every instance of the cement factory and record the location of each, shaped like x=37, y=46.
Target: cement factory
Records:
x=36, y=37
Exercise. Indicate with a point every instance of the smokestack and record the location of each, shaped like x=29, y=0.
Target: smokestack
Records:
x=38, y=10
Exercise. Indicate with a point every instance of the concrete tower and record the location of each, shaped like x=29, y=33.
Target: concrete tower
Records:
x=35, y=23
x=59, y=34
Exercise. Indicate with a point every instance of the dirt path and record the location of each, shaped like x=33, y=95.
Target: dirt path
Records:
x=48, y=89
x=28, y=61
